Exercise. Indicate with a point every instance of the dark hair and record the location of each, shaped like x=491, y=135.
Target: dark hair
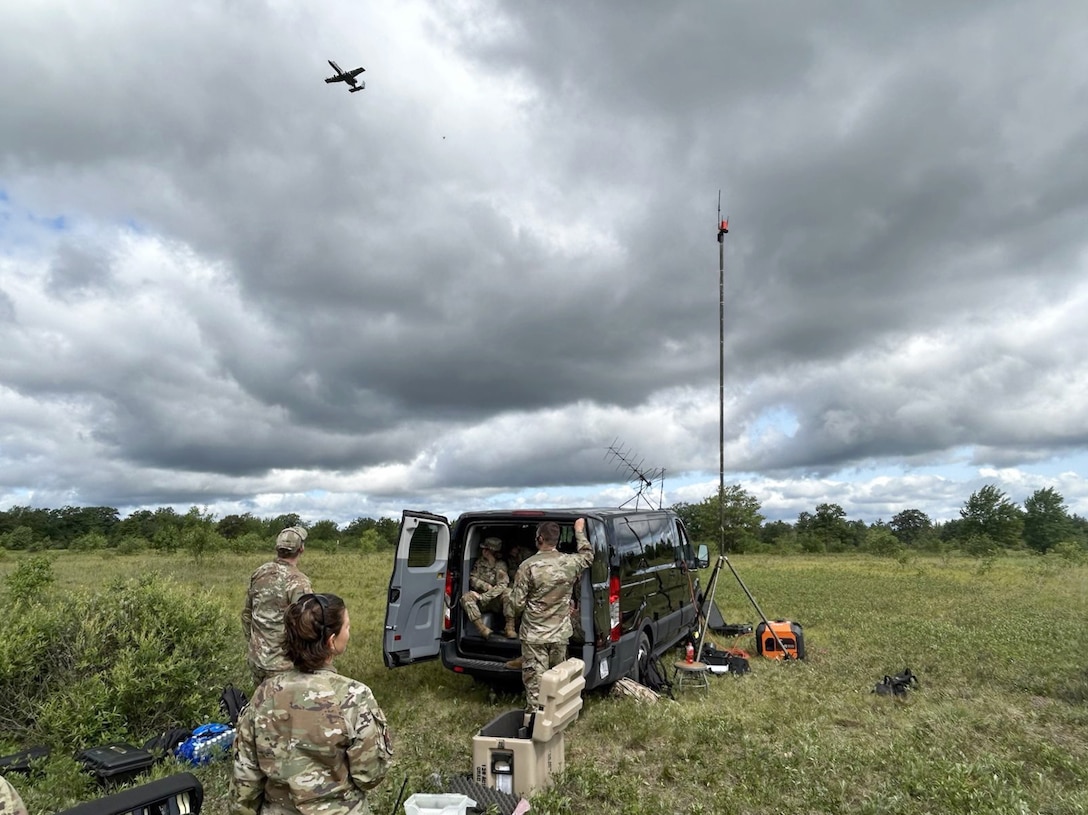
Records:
x=548, y=531
x=307, y=626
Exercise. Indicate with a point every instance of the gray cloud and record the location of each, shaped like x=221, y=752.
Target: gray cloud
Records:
x=225, y=282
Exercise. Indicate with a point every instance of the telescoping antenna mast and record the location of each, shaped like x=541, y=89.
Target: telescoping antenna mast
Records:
x=643, y=477
x=723, y=230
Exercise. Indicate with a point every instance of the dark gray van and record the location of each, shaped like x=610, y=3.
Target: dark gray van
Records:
x=639, y=598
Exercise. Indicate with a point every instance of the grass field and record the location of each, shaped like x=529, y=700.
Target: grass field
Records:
x=998, y=724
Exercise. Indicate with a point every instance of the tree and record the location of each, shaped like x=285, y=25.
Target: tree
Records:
x=233, y=527
x=778, y=533
x=827, y=530
x=910, y=526
x=1046, y=520
x=282, y=522
x=323, y=531
x=990, y=514
x=739, y=510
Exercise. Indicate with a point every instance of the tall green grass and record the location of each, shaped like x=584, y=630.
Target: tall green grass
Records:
x=998, y=724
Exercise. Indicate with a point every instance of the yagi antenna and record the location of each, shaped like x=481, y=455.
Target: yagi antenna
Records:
x=639, y=474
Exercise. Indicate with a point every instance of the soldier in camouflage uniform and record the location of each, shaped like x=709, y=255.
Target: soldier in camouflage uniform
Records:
x=490, y=584
x=517, y=555
x=10, y=802
x=272, y=588
x=310, y=740
x=542, y=591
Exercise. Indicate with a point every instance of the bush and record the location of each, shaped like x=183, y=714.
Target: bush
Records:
x=29, y=580
x=120, y=664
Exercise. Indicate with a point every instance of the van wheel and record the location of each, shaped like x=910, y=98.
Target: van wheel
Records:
x=642, y=659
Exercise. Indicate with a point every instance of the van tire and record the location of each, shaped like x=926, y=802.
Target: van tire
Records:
x=642, y=658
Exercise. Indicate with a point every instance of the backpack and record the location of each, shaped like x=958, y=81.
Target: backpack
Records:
x=656, y=679
x=896, y=685
x=231, y=702
x=162, y=745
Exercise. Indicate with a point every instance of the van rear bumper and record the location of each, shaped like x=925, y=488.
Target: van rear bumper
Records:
x=495, y=670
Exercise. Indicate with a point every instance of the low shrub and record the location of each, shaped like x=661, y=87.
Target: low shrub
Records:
x=118, y=664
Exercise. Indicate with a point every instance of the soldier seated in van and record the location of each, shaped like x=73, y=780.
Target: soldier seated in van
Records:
x=489, y=582
x=517, y=555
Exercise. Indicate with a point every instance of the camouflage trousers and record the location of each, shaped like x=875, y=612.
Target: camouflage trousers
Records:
x=475, y=608
x=536, y=658
x=260, y=674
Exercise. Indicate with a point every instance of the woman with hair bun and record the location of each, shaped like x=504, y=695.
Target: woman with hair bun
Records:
x=310, y=740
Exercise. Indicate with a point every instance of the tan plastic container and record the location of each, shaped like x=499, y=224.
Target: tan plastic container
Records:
x=510, y=757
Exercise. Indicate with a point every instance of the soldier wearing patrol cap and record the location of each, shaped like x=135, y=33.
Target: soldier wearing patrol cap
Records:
x=489, y=582
x=542, y=593
x=272, y=588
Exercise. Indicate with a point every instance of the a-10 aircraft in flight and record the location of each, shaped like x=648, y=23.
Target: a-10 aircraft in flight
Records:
x=347, y=76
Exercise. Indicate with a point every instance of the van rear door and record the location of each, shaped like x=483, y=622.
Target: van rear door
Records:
x=416, y=604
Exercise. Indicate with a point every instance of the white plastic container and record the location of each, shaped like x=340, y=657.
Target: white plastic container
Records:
x=444, y=804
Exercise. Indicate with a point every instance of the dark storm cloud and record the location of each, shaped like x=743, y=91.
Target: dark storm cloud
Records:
x=501, y=256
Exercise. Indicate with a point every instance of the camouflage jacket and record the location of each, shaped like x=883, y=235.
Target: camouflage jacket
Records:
x=272, y=588
x=10, y=802
x=542, y=589
x=489, y=579
x=309, y=743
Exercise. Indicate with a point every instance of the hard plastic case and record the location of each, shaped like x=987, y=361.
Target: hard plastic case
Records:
x=115, y=763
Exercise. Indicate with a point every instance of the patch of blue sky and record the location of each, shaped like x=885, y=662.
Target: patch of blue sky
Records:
x=778, y=420
x=20, y=228
x=58, y=223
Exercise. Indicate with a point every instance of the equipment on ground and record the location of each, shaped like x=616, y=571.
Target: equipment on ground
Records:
x=897, y=685
x=231, y=702
x=115, y=763
x=179, y=793
x=22, y=761
x=780, y=639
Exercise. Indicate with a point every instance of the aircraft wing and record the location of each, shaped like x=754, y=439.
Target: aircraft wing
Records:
x=356, y=72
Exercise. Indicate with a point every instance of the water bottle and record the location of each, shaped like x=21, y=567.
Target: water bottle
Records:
x=689, y=654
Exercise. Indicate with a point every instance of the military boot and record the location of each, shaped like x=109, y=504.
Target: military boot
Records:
x=514, y=664
x=510, y=631
x=481, y=626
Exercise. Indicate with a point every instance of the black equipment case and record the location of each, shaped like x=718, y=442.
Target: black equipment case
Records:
x=20, y=762
x=789, y=634
x=115, y=763
x=180, y=794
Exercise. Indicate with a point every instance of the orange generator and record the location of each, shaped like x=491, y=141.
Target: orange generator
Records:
x=789, y=634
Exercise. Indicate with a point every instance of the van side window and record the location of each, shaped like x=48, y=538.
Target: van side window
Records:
x=657, y=540
x=424, y=545
x=684, y=551
x=630, y=533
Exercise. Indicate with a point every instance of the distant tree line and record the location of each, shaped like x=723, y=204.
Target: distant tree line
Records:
x=196, y=531
x=989, y=523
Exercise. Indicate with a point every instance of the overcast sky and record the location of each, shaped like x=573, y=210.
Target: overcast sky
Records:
x=227, y=283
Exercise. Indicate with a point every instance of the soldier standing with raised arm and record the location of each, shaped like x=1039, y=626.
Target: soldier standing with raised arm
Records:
x=542, y=590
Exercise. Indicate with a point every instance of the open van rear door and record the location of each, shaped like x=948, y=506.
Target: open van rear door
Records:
x=416, y=603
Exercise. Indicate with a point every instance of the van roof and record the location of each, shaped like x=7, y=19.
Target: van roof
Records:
x=552, y=513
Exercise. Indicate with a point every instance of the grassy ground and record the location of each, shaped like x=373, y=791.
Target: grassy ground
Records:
x=997, y=725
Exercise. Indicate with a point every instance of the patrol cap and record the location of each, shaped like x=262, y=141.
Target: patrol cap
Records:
x=494, y=544
x=290, y=540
